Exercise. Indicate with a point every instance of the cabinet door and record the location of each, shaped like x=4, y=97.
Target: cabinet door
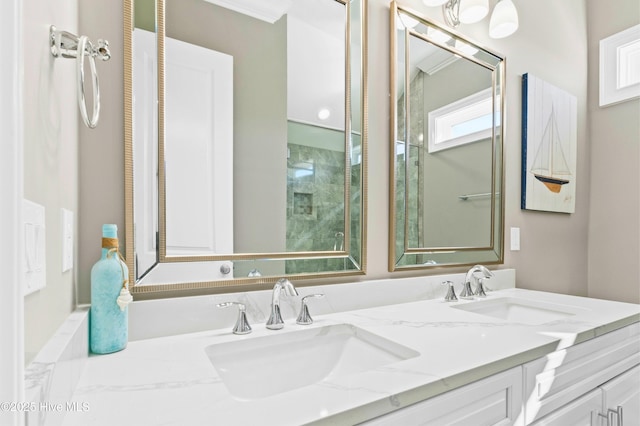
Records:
x=624, y=391
x=581, y=412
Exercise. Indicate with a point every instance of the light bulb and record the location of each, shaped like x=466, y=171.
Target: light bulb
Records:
x=473, y=10
x=433, y=3
x=504, y=20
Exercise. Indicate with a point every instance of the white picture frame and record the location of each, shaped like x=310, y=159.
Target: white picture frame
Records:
x=549, y=147
x=620, y=67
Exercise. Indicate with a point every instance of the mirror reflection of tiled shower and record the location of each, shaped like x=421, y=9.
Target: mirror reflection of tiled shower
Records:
x=414, y=171
x=315, y=194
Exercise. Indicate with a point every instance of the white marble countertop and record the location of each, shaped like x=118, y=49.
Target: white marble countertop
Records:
x=170, y=380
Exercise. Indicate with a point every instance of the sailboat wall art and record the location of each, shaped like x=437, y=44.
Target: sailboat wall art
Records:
x=549, y=146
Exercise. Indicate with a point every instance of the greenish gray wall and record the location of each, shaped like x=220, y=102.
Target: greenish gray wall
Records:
x=436, y=216
x=465, y=169
x=449, y=220
x=144, y=15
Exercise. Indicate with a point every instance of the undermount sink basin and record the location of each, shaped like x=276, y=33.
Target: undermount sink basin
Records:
x=518, y=310
x=264, y=366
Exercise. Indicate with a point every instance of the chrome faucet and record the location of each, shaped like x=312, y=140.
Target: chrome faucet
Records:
x=467, y=292
x=275, y=321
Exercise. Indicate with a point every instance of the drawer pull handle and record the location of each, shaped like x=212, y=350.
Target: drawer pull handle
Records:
x=618, y=413
x=610, y=414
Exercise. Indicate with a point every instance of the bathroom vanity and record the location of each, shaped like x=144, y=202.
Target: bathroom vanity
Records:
x=591, y=383
x=515, y=357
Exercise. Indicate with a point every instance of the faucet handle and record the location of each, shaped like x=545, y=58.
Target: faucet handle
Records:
x=305, y=318
x=451, y=293
x=480, y=288
x=254, y=273
x=467, y=291
x=242, y=325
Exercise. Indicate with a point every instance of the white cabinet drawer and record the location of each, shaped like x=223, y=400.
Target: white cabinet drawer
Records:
x=581, y=412
x=623, y=394
x=560, y=377
x=496, y=400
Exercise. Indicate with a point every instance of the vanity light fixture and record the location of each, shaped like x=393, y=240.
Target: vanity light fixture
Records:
x=504, y=18
x=471, y=11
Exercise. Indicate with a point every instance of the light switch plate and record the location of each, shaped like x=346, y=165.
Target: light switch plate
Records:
x=515, y=239
x=67, y=239
x=34, y=260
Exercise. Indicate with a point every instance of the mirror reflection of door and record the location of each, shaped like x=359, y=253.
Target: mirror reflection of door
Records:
x=198, y=140
x=198, y=150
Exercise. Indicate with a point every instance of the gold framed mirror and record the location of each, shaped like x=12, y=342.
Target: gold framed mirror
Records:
x=245, y=142
x=446, y=147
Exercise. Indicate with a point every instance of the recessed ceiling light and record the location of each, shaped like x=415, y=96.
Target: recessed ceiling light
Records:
x=324, y=113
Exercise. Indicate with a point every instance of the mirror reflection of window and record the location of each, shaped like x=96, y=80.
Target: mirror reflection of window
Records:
x=463, y=121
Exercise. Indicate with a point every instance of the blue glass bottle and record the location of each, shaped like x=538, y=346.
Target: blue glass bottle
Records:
x=108, y=323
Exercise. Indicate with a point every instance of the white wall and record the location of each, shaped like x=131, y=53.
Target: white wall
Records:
x=50, y=158
x=614, y=223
